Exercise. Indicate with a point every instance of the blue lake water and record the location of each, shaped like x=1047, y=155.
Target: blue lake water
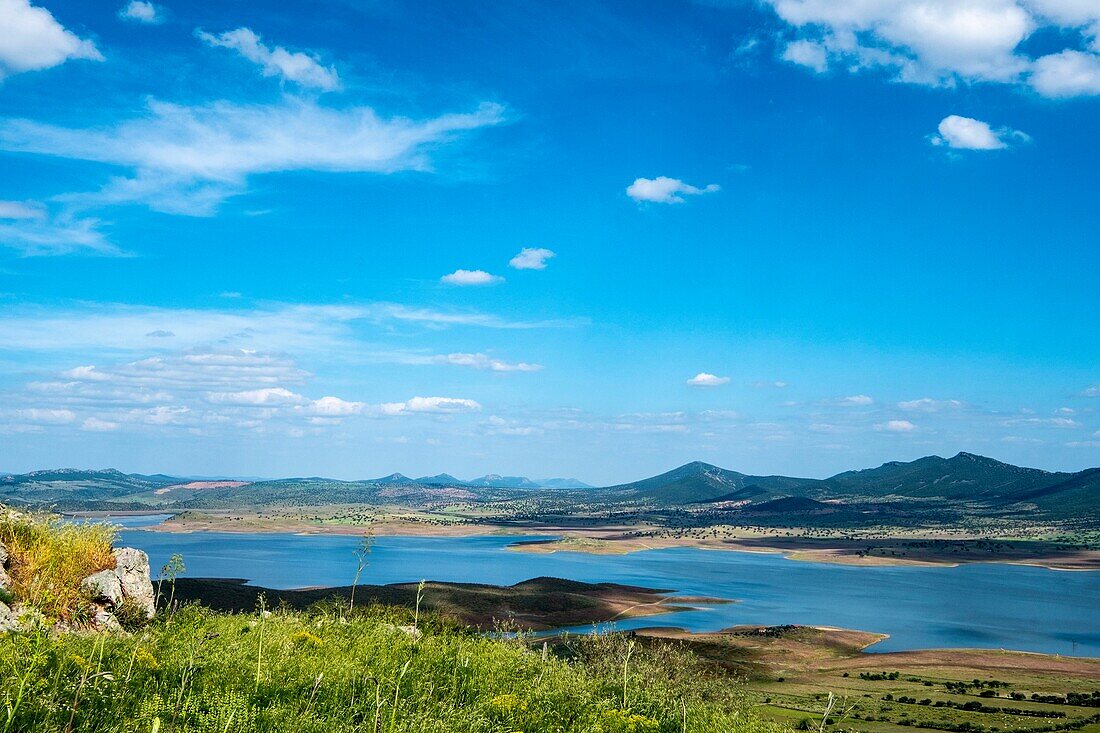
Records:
x=981, y=605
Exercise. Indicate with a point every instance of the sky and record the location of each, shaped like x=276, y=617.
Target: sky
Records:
x=586, y=239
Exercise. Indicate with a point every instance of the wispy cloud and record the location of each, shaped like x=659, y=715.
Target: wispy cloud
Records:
x=298, y=328
x=482, y=361
x=301, y=68
x=188, y=159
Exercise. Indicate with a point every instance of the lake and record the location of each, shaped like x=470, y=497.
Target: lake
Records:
x=980, y=605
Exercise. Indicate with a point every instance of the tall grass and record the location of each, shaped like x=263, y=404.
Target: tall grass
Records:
x=325, y=671
x=49, y=558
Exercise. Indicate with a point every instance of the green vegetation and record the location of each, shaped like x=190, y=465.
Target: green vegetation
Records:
x=48, y=558
x=328, y=670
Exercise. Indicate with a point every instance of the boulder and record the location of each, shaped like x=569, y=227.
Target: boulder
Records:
x=105, y=586
x=132, y=569
x=5, y=579
x=3, y=555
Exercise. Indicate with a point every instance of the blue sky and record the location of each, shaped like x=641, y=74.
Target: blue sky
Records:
x=585, y=239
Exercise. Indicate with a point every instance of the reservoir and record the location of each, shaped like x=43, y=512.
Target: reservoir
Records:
x=920, y=607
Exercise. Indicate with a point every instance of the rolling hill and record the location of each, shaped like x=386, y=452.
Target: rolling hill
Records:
x=977, y=483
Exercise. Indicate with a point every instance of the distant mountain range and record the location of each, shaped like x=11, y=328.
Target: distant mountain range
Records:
x=966, y=479
x=492, y=480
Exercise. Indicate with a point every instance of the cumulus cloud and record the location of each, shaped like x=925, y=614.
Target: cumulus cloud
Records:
x=188, y=159
x=301, y=68
x=859, y=400
x=705, y=379
x=482, y=361
x=966, y=133
x=335, y=407
x=807, y=53
x=431, y=405
x=944, y=42
x=531, y=258
x=896, y=426
x=265, y=396
x=471, y=277
x=1093, y=391
x=1067, y=74
x=664, y=190
x=32, y=39
x=141, y=12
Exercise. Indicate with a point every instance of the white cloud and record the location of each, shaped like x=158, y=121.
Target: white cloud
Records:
x=1093, y=391
x=32, y=39
x=142, y=12
x=896, y=426
x=45, y=416
x=33, y=232
x=188, y=159
x=1049, y=422
x=471, y=277
x=944, y=42
x=1067, y=74
x=531, y=258
x=927, y=404
x=705, y=379
x=335, y=407
x=300, y=68
x=265, y=396
x=95, y=425
x=482, y=361
x=22, y=210
x=270, y=327
x=966, y=133
x=434, y=405
x=807, y=53
x=859, y=400
x=775, y=384
x=664, y=190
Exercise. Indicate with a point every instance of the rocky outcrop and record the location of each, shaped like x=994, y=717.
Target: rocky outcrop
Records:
x=104, y=587
x=132, y=567
x=129, y=582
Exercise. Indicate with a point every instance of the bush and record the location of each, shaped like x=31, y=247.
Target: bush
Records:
x=49, y=558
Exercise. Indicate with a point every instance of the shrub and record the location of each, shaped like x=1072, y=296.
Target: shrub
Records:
x=49, y=557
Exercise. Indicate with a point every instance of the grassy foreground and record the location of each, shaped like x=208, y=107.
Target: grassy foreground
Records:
x=326, y=670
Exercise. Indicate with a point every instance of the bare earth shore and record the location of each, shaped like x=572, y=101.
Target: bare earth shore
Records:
x=903, y=549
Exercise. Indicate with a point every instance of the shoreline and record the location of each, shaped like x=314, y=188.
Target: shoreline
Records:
x=892, y=551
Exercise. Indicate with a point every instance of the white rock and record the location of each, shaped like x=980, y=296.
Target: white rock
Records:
x=104, y=586
x=132, y=568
